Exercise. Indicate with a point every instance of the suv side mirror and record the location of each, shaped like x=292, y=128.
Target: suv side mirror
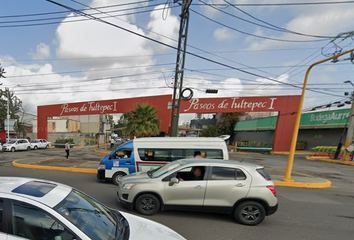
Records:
x=173, y=180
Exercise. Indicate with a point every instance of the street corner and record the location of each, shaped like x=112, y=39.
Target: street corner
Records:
x=102, y=151
x=298, y=180
x=330, y=160
x=81, y=166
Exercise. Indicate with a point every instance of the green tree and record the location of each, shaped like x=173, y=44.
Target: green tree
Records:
x=15, y=105
x=225, y=126
x=212, y=131
x=143, y=122
x=121, y=125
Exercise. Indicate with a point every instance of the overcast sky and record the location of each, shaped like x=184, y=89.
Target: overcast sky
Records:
x=251, y=48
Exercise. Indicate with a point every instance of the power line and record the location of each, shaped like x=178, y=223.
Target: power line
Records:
x=58, y=12
x=251, y=34
x=273, y=27
x=88, y=70
x=71, y=21
x=169, y=46
x=282, y=4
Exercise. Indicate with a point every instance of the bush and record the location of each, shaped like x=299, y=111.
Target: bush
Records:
x=64, y=140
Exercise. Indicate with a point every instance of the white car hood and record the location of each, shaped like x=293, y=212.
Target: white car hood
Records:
x=141, y=228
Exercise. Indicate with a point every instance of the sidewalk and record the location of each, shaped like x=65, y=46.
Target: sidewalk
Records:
x=84, y=166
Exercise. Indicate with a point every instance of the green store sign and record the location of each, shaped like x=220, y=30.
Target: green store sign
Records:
x=325, y=119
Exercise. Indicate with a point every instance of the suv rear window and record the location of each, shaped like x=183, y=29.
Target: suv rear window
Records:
x=264, y=174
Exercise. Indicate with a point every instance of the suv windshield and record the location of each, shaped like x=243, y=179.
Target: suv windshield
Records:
x=91, y=217
x=166, y=168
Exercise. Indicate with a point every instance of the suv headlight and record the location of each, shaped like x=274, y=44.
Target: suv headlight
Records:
x=102, y=167
x=128, y=186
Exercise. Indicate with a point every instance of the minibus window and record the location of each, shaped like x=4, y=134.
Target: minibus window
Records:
x=148, y=154
x=206, y=153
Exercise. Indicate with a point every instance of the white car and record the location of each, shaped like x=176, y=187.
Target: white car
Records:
x=40, y=143
x=16, y=145
x=39, y=209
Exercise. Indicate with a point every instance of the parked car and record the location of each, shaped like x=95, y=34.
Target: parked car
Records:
x=17, y=145
x=40, y=143
x=39, y=209
x=241, y=189
x=0, y=147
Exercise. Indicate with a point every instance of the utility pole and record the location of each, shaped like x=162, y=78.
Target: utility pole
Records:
x=350, y=131
x=180, y=61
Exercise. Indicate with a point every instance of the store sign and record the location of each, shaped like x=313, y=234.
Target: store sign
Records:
x=243, y=104
x=329, y=117
x=12, y=125
x=89, y=107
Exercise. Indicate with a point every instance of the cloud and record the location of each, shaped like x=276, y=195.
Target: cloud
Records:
x=164, y=27
x=42, y=52
x=319, y=20
x=224, y=34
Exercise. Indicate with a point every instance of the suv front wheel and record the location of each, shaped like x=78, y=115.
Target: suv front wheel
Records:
x=147, y=204
x=249, y=213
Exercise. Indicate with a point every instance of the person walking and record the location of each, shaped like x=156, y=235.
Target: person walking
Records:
x=67, y=149
x=112, y=142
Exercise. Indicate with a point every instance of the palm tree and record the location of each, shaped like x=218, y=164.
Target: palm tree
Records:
x=142, y=121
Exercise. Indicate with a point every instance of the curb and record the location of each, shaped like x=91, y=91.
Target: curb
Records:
x=101, y=151
x=327, y=159
x=67, y=169
x=287, y=153
x=325, y=184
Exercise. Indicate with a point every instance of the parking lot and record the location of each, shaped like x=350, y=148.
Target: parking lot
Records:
x=303, y=213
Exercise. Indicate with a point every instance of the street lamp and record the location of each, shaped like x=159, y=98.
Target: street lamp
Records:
x=8, y=113
x=350, y=82
x=289, y=166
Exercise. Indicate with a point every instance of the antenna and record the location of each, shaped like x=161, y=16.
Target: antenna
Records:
x=243, y=158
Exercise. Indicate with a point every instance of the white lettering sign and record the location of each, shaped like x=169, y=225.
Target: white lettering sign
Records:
x=88, y=107
x=328, y=117
x=195, y=104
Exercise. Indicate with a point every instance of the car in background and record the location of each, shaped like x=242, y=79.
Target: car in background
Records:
x=0, y=147
x=16, y=145
x=242, y=190
x=39, y=143
x=39, y=209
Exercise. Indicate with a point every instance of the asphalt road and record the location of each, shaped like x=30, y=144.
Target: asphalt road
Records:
x=303, y=213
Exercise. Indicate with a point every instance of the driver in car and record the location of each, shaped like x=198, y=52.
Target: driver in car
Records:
x=197, y=174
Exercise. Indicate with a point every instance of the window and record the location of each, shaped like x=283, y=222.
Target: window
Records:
x=92, y=218
x=35, y=188
x=1, y=213
x=53, y=125
x=264, y=174
x=123, y=153
x=33, y=223
x=154, y=154
x=223, y=173
x=227, y=173
x=206, y=153
x=240, y=175
x=191, y=173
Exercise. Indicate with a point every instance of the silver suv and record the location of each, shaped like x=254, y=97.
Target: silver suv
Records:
x=241, y=189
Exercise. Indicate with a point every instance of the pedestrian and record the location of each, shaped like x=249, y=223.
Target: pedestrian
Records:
x=67, y=149
x=198, y=154
x=112, y=142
